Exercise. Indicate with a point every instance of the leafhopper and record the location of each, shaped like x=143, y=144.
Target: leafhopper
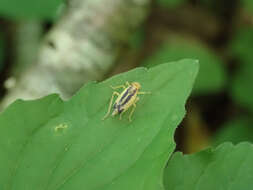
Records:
x=126, y=99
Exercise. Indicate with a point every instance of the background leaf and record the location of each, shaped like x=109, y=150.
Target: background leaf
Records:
x=137, y=38
x=210, y=64
x=247, y=5
x=1, y=51
x=235, y=131
x=241, y=90
x=226, y=167
x=170, y=3
x=38, y=9
x=71, y=147
x=241, y=86
x=242, y=43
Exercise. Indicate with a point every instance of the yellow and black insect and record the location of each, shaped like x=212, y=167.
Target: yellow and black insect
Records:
x=125, y=100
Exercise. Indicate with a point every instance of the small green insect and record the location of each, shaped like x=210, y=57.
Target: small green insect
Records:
x=125, y=100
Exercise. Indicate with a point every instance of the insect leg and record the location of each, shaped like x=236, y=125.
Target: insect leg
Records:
x=132, y=111
x=110, y=105
x=120, y=115
x=144, y=93
x=119, y=86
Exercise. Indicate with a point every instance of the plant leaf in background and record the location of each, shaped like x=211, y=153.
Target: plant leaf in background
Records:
x=1, y=51
x=51, y=144
x=241, y=90
x=247, y=5
x=235, y=131
x=226, y=167
x=212, y=75
x=242, y=43
x=39, y=9
x=170, y=3
x=137, y=39
x=241, y=47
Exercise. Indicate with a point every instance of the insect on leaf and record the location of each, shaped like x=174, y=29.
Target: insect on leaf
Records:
x=55, y=145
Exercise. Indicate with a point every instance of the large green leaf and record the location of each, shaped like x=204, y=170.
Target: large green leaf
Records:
x=51, y=144
x=212, y=74
x=24, y=9
x=226, y=167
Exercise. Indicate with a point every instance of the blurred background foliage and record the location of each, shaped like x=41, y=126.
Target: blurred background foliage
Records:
x=29, y=9
x=219, y=33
